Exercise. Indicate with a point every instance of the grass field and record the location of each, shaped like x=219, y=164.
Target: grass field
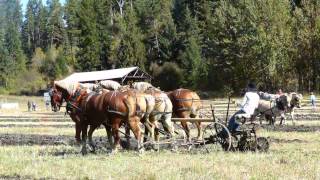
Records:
x=40, y=147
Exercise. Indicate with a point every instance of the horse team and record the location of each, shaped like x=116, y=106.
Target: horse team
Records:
x=112, y=105
x=123, y=105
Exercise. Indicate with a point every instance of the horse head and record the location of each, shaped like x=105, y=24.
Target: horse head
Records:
x=56, y=99
x=282, y=103
x=295, y=100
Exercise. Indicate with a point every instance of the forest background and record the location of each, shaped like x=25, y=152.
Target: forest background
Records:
x=207, y=45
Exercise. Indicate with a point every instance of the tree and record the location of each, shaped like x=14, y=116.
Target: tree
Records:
x=15, y=61
x=127, y=48
x=158, y=26
x=88, y=57
x=190, y=54
x=73, y=31
x=55, y=25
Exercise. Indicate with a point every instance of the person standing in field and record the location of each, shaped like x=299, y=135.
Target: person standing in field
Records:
x=29, y=105
x=313, y=101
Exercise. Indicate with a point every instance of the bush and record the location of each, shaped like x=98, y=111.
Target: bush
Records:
x=168, y=76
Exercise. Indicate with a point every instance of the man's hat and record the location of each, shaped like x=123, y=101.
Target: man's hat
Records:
x=251, y=86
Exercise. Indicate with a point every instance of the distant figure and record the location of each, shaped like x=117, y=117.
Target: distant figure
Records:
x=313, y=100
x=34, y=106
x=47, y=105
x=29, y=105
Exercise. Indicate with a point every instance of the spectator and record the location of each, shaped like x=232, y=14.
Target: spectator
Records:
x=29, y=105
x=313, y=100
x=47, y=104
x=34, y=106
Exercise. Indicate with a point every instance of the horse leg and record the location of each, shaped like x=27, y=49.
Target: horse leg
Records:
x=134, y=125
x=186, y=130
x=167, y=123
x=154, y=133
x=128, y=136
x=109, y=133
x=76, y=120
x=115, y=131
x=149, y=128
x=78, y=132
x=91, y=143
x=145, y=137
x=199, y=128
x=282, y=118
x=292, y=118
x=84, y=139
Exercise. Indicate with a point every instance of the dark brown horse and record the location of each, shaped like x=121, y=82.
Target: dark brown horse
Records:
x=186, y=104
x=74, y=113
x=112, y=108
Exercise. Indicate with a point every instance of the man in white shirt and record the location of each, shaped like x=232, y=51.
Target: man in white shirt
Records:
x=249, y=104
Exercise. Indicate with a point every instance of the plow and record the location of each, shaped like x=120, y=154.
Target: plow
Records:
x=215, y=136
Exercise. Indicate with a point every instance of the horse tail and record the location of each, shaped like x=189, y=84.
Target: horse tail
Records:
x=129, y=103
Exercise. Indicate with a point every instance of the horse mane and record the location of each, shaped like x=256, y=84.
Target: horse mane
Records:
x=62, y=90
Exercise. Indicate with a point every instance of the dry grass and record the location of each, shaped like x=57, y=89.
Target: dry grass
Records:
x=292, y=155
x=285, y=161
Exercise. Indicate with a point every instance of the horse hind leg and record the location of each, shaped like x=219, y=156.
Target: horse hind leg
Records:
x=127, y=135
x=186, y=129
x=199, y=127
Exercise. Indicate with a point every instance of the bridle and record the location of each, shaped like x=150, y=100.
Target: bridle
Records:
x=56, y=99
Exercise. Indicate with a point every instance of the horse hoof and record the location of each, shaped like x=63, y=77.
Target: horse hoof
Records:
x=141, y=151
x=174, y=149
x=92, y=148
x=112, y=152
x=84, y=151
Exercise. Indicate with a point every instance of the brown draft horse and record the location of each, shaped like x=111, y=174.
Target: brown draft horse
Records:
x=114, y=108
x=144, y=106
x=162, y=112
x=56, y=103
x=186, y=104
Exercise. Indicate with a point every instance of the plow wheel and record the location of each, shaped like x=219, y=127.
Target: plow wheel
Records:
x=216, y=136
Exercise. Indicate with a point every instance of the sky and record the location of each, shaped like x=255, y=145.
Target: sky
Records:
x=24, y=3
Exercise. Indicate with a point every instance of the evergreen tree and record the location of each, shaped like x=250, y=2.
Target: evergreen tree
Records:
x=88, y=57
x=13, y=35
x=160, y=32
x=190, y=55
x=31, y=30
x=127, y=48
x=55, y=24
x=104, y=28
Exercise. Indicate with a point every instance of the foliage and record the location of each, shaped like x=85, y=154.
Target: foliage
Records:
x=168, y=72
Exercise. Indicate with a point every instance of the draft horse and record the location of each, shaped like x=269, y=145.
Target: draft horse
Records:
x=111, y=108
x=186, y=104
